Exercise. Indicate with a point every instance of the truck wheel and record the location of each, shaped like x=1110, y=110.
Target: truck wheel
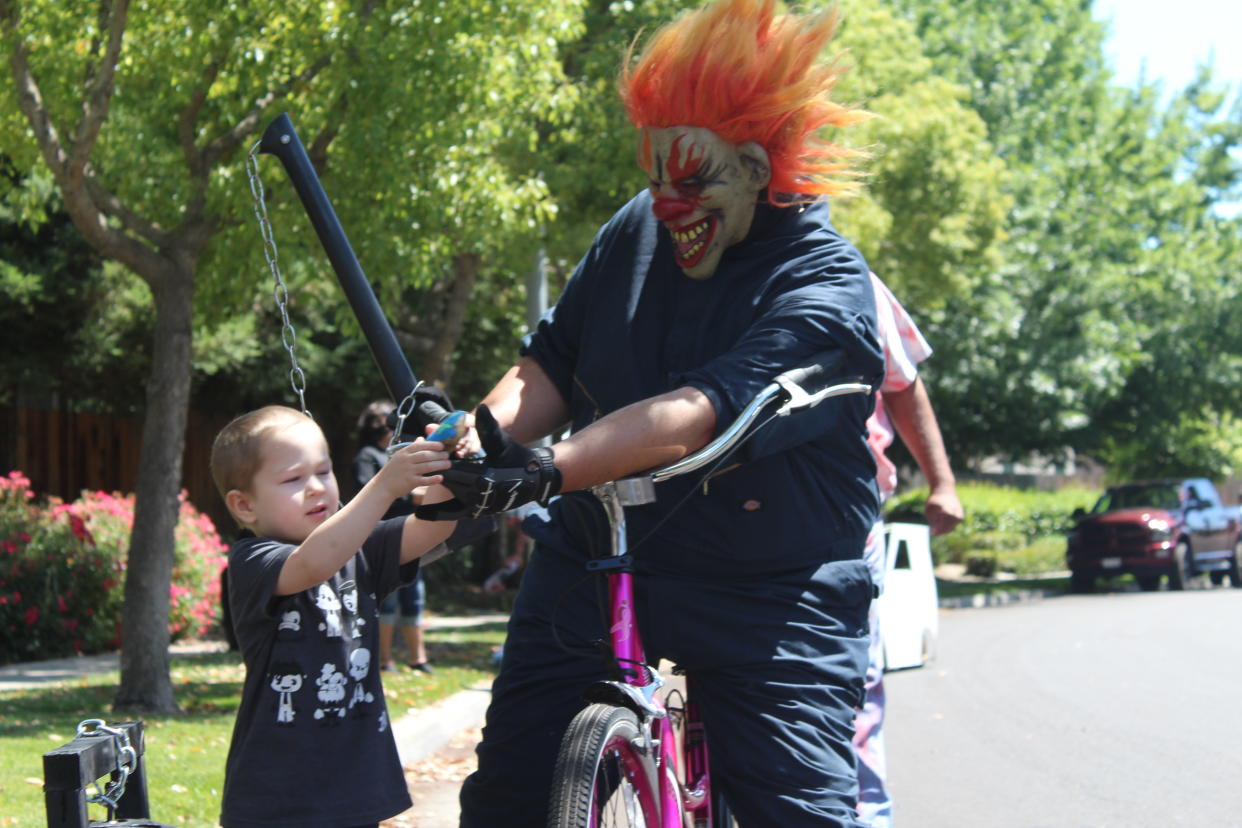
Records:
x=1081, y=582
x=1235, y=568
x=1182, y=568
x=1148, y=583
x=1217, y=577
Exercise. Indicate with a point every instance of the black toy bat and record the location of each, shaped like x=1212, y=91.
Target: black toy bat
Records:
x=432, y=406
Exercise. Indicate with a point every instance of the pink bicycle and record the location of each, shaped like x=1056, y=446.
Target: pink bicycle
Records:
x=635, y=757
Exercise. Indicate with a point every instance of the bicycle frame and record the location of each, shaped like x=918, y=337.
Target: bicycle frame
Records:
x=640, y=683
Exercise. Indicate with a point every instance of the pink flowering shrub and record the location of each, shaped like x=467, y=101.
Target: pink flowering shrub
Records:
x=57, y=591
x=62, y=572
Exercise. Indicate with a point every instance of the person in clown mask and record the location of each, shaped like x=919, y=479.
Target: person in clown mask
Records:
x=722, y=274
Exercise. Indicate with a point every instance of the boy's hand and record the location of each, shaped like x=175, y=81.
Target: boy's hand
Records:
x=469, y=445
x=414, y=467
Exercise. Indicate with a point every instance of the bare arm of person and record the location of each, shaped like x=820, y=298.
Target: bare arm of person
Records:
x=642, y=435
x=338, y=538
x=911, y=412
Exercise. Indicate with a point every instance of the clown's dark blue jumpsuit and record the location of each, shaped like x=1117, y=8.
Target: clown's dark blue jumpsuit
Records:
x=756, y=584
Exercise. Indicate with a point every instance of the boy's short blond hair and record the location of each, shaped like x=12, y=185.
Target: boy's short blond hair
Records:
x=237, y=451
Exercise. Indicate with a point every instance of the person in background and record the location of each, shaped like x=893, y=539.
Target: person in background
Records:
x=902, y=405
x=403, y=608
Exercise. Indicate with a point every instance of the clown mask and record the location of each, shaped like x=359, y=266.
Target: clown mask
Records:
x=704, y=191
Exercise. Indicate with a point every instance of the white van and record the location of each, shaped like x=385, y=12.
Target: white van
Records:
x=909, y=607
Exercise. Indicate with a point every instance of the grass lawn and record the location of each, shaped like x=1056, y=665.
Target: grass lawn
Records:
x=185, y=754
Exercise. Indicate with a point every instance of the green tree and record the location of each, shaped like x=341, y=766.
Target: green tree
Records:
x=141, y=113
x=1111, y=220
x=932, y=212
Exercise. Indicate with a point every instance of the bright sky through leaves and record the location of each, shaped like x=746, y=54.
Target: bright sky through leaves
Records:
x=1168, y=41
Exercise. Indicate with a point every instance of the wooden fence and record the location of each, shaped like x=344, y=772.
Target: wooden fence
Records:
x=64, y=452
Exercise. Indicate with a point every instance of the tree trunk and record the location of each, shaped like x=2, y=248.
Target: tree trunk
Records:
x=146, y=685
x=438, y=364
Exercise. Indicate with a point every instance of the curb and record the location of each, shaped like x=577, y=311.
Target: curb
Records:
x=1002, y=598
x=424, y=731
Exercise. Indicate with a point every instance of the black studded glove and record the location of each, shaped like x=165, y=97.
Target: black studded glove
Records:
x=510, y=476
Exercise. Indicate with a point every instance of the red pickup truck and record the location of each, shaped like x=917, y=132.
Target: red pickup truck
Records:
x=1177, y=528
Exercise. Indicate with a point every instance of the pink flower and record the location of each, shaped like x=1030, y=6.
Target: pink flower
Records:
x=61, y=606
x=32, y=616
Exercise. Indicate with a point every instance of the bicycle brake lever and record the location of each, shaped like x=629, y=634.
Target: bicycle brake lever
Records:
x=799, y=400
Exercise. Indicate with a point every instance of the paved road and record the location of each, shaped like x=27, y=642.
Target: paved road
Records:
x=1121, y=710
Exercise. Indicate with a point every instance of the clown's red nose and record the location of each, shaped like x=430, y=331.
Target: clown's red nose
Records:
x=671, y=209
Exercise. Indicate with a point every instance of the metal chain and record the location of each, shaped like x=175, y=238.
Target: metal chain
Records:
x=288, y=336
x=126, y=763
x=405, y=409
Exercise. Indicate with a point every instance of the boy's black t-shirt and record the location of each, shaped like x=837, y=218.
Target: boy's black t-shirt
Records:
x=313, y=745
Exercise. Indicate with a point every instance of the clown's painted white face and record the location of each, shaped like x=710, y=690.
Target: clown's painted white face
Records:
x=704, y=191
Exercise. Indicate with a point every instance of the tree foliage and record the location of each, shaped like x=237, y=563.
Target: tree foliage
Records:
x=1077, y=340
x=419, y=115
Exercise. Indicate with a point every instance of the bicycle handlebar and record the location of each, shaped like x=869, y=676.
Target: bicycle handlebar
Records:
x=818, y=370
x=821, y=368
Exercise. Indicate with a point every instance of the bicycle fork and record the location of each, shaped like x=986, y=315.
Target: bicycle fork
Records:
x=681, y=805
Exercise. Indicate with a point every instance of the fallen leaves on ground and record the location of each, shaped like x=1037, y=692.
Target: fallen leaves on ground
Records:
x=437, y=777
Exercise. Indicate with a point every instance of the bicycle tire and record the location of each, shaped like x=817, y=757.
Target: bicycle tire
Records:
x=603, y=779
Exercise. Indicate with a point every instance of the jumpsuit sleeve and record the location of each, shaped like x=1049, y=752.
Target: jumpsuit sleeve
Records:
x=554, y=342
x=834, y=312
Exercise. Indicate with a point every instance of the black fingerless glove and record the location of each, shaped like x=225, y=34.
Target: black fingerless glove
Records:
x=510, y=476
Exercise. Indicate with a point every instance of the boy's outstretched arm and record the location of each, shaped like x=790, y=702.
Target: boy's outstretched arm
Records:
x=336, y=540
x=418, y=537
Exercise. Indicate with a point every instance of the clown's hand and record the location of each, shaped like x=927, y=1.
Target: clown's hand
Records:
x=511, y=476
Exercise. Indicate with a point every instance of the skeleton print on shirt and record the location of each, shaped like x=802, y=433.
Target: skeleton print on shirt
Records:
x=290, y=626
x=349, y=598
x=286, y=680
x=327, y=601
x=359, y=666
x=331, y=683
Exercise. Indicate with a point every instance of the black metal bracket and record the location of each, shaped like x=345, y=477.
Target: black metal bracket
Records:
x=71, y=768
x=622, y=563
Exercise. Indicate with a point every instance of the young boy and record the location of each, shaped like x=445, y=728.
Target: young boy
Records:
x=312, y=746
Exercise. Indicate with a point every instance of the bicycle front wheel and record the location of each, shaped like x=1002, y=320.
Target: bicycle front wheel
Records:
x=605, y=777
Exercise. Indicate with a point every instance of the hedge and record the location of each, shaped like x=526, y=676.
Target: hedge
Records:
x=62, y=572
x=1021, y=531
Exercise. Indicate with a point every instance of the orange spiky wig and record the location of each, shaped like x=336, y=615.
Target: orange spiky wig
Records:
x=747, y=73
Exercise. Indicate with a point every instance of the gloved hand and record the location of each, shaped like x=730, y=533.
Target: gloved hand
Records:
x=511, y=475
